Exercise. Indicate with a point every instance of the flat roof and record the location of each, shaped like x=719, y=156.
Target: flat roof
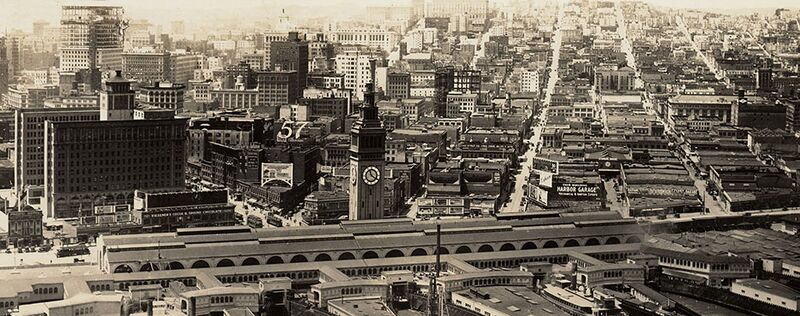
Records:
x=366, y=306
x=568, y=296
x=771, y=287
x=513, y=300
x=221, y=290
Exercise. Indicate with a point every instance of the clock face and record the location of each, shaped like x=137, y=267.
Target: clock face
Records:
x=353, y=175
x=371, y=175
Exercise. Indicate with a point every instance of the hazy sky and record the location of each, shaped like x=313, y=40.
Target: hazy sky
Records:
x=21, y=13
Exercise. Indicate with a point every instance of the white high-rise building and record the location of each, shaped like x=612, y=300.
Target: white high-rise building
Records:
x=91, y=36
x=355, y=67
x=529, y=80
x=473, y=9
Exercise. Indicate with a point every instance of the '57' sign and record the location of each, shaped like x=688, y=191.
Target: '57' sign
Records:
x=291, y=128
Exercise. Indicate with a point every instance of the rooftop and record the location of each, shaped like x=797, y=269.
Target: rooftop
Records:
x=767, y=242
x=770, y=287
x=366, y=306
x=512, y=300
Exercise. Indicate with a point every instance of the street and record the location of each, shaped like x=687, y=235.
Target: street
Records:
x=241, y=208
x=700, y=53
x=27, y=259
x=517, y=201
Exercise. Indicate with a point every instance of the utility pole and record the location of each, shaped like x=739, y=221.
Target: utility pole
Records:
x=434, y=305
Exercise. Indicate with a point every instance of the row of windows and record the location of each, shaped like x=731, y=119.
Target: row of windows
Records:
x=46, y=290
x=123, y=186
x=351, y=290
x=612, y=274
x=256, y=277
x=491, y=281
x=84, y=310
x=221, y=299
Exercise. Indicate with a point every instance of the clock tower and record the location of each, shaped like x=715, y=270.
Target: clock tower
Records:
x=367, y=161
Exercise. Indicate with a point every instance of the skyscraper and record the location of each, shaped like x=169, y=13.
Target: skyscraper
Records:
x=367, y=161
x=4, y=75
x=354, y=65
x=473, y=9
x=94, y=162
x=291, y=55
x=91, y=37
x=29, y=127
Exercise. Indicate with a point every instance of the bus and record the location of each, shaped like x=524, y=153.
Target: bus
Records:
x=239, y=217
x=72, y=250
x=255, y=221
x=274, y=221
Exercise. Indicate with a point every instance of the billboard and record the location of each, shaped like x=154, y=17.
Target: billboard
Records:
x=546, y=179
x=540, y=196
x=110, y=209
x=577, y=190
x=545, y=165
x=277, y=171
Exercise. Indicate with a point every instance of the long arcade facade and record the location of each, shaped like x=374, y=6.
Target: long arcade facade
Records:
x=242, y=246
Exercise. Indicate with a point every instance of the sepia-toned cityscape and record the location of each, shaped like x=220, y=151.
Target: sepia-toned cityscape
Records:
x=399, y=157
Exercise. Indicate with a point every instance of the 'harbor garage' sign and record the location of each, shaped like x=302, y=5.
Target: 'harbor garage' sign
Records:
x=577, y=189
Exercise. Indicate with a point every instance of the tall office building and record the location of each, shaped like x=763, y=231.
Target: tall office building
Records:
x=354, y=64
x=29, y=147
x=3, y=79
x=447, y=79
x=11, y=49
x=4, y=70
x=367, y=161
x=529, y=80
x=146, y=66
x=160, y=66
x=90, y=163
x=95, y=163
x=615, y=79
x=291, y=55
x=278, y=87
x=91, y=37
x=472, y=9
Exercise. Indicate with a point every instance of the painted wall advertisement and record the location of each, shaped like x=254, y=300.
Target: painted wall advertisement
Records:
x=274, y=171
x=545, y=165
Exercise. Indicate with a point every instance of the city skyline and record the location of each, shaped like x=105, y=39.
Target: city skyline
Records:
x=19, y=12
x=430, y=158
